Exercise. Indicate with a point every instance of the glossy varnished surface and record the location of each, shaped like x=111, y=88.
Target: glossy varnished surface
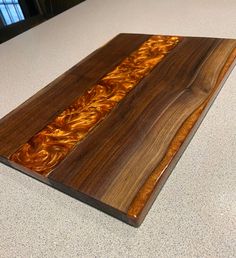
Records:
x=48, y=102
x=45, y=150
x=122, y=164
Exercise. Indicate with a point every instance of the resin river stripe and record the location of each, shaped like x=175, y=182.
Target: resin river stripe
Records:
x=46, y=149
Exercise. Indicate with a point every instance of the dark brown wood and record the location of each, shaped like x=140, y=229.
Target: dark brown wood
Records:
x=20, y=124
x=121, y=165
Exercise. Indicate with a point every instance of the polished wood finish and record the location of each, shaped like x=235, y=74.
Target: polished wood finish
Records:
x=46, y=149
x=121, y=165
x=20, y=125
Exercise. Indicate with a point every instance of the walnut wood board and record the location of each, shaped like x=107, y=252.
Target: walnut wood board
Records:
x=110, y=130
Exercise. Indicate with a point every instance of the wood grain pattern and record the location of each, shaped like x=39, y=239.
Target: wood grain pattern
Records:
x=59, y=94
x=121, y=165
x=46, y=149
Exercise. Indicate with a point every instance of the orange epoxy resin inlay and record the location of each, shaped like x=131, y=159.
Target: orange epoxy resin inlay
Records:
x=45, y=150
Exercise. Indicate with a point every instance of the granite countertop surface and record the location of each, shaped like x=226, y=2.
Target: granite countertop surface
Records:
x=195, y=213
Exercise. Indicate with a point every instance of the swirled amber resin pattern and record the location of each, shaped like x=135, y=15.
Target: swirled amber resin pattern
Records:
x=50, y=146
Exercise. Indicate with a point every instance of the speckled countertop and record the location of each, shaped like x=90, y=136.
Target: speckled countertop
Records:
x=195, y=213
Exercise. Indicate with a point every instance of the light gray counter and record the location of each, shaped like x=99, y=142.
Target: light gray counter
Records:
x=195, y=213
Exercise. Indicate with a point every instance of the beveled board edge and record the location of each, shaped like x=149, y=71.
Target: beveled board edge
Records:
x=138, y=211
x=154, y=183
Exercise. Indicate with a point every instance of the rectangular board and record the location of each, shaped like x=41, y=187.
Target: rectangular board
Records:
x=110, y=130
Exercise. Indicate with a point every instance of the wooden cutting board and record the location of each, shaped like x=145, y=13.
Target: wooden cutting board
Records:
x=110, y=130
